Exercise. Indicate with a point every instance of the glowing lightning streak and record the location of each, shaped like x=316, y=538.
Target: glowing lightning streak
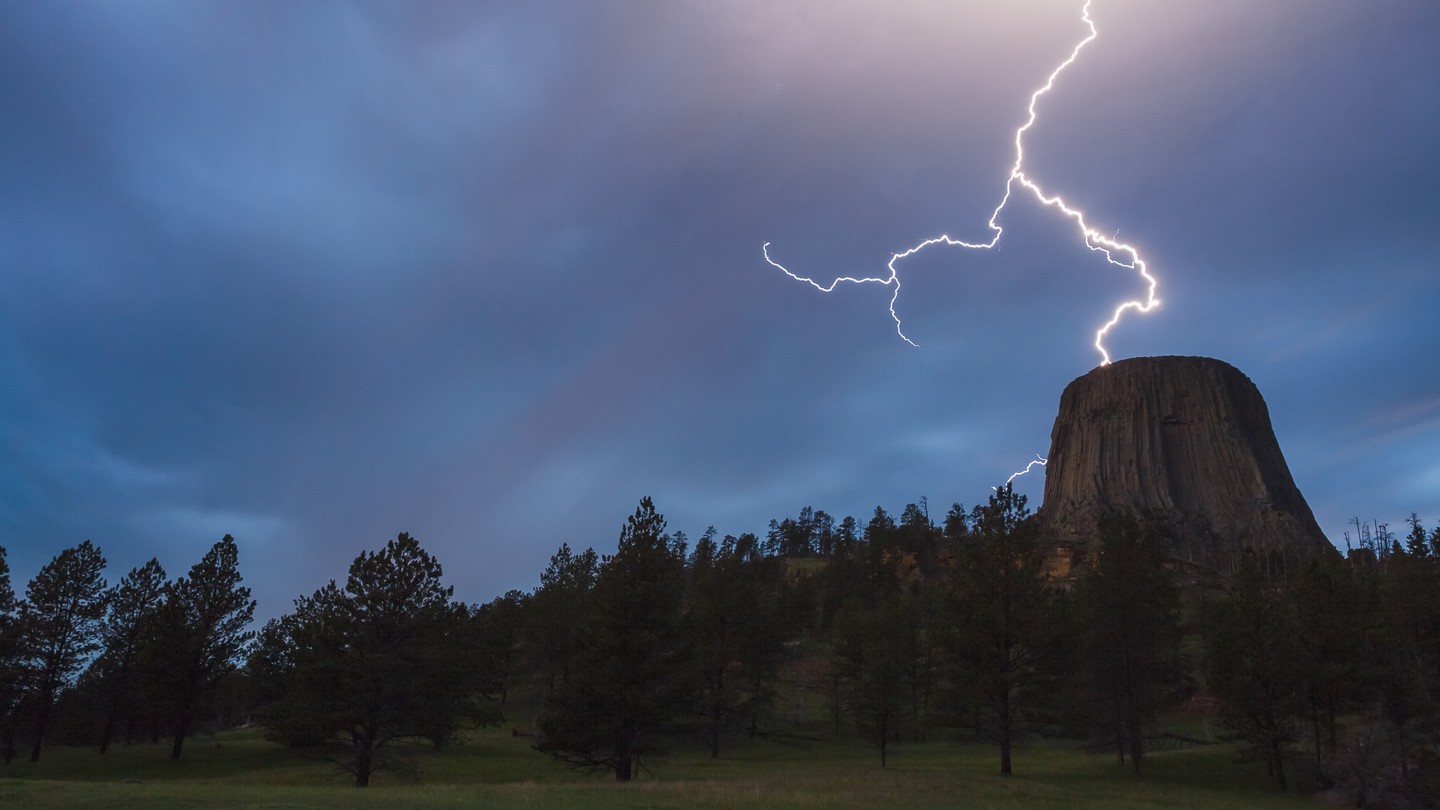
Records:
x=1129, y=258
x=1041, y=460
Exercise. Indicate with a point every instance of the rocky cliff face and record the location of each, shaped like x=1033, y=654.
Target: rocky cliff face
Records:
x=1185, y=439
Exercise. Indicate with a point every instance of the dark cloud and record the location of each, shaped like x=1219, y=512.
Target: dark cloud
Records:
x=316, y=274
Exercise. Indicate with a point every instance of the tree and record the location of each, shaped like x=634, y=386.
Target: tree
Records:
x=1006, y=630
x=9, y=661
x=1407, y=655
x=1255, y=665
x=1333, y=616
x=388, y=657
x=1415, y=542
x=737, y=630
x=498, y=628
x=876, y=649
x=59, y=629
x=715, y=628
x=957, y=522
x=1129, y=608
x=918, y=538
x=769, y=619
x=203, y=631
x=131, y=621
x=559, y=614
x=630, y=683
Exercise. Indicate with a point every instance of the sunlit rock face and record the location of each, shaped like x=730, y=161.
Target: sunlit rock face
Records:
x=1186, y=440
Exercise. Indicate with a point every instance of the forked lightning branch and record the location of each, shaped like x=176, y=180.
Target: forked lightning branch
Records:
x=1115, y=252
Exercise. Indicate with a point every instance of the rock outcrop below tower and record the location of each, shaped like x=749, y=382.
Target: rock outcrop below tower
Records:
x=1185, y=440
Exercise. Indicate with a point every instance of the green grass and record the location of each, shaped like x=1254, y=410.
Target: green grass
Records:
x=493, y=769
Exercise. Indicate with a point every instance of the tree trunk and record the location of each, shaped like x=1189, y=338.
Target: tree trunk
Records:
x=715, y=730
x=122, y=688
x=1137, y=742
x=1004, y=718
x=364, y=760
x=623, y=766
x=1119, y=735
x=755, y=707
x=182, y=728
x=1279, y=762
x=717, y=711
x=42, y=720
x=1330, y=721
x=109, y=730
x=884, y=743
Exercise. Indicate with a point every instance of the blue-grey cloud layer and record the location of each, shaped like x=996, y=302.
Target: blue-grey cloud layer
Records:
x=317, y=273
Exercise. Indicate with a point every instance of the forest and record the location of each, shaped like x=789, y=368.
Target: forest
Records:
x=1322, y=672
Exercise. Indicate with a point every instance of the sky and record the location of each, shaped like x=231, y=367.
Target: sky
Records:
x=314, y=274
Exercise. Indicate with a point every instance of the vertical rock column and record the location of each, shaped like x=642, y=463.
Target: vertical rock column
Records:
x=1186, y=440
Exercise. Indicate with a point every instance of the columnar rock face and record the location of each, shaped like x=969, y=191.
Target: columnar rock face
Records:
x=1186, y=440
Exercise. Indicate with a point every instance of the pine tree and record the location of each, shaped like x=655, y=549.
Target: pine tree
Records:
x=10, y=683
x=1255, y=665
x=60, y=623
x=1006, y=633
x=630, y=683
x=203, y=632
x=1129, y=615
x=131, y=623
x=1333, y=618
x=736, y=628
x=559, y=613
x=1408, y=659
x=877, y=649
x=389, y=657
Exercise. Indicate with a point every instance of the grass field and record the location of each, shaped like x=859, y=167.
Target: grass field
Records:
x=493, y=769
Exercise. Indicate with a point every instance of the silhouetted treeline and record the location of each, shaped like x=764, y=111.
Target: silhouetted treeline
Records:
x=82, y=663
x=913, y=629
x=1325, y=669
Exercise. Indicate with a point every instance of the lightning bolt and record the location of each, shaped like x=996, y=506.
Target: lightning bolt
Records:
x=1039, y=459
x=1116, y=252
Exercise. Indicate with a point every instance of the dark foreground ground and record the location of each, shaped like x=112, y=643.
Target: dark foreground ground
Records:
x=492, y=768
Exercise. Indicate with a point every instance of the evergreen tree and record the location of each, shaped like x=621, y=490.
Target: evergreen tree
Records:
x=957, y=522
x=736, y=629
x=630, y=683
x=1007, y=633
x=559, y=613
x=877, y=648
x=1408, y=666
x=388, y=657
x=1415, y=542
x=1255, y=665
x=848, y=535
x=824, y=533
x=768, y=621
x=60, y=623
x=203, y=633
x=134, y=607
x=715, y=629
x=499, y=628
x=1129, y=611
x=10, y=683
x=1333, y=618
x=919, y=539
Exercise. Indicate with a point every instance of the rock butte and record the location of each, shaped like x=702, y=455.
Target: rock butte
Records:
x=1186, y=440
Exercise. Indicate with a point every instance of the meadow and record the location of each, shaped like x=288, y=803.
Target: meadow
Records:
x=492, y=768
